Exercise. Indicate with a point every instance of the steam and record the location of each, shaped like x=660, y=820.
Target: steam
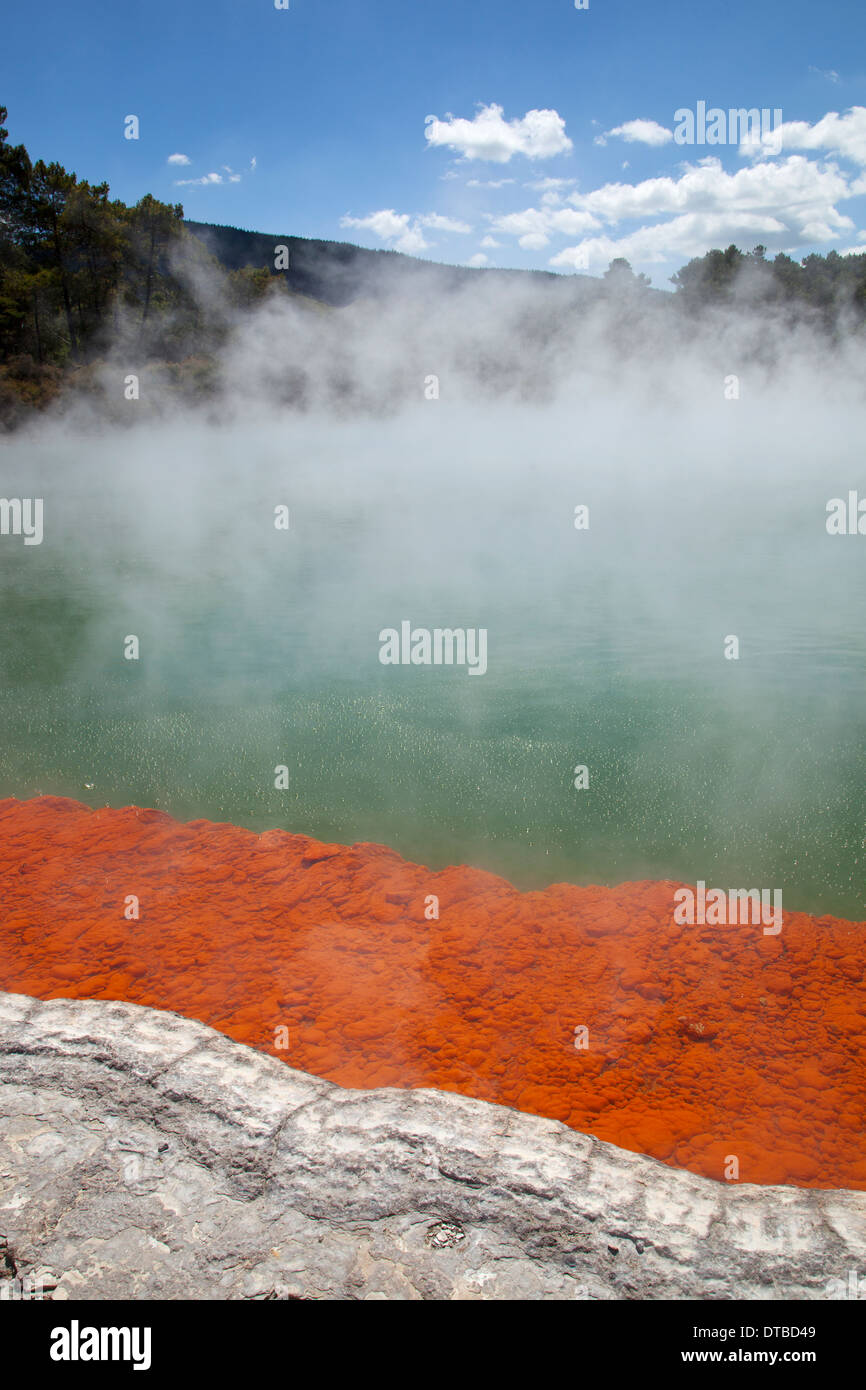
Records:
x=453, y=506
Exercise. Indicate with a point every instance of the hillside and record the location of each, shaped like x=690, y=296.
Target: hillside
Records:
x=337, y=272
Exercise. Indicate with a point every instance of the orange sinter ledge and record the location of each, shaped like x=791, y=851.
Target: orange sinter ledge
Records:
x=728, y=1050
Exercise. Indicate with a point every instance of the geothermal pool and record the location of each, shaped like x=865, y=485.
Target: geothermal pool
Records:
x=609, y=755
x=259, y=647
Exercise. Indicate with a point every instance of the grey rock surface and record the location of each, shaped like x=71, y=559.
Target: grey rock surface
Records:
x=146, y=1156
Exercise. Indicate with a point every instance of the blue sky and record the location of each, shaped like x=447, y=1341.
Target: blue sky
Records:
x=312, y=121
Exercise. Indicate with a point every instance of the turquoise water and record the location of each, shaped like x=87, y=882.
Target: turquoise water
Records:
x=260, y=648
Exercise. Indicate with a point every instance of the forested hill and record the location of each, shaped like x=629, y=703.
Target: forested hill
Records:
x=828, y=290
x=337, y=273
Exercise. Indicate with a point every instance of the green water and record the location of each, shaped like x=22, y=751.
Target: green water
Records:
x=605, y=649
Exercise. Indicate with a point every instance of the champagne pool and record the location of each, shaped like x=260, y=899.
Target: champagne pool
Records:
x=259, y=648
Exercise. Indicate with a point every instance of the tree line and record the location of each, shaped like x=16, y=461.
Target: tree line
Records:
x=80, y=271
x=829, y=290
x=71, y=257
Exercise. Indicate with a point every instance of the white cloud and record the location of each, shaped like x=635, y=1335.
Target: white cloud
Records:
x=390, y=226
x=403, y=231
x=207, y=179
x=797, y=191
x=490, y=242
x=639, y=132
x=478, y=260
x=678, y=240
x=785, y=204
x=551, y=190
x=830, y=73
x=489, y=183
x=443, y=224
x=179, y=159
x=488, y=136
x=839, y=135
x=547, y=185
x=533, y=227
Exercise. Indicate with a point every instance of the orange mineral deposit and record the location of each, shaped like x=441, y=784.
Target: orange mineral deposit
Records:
x=694, y=1044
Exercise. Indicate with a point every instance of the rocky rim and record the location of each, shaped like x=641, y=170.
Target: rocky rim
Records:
x=146, y=1156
